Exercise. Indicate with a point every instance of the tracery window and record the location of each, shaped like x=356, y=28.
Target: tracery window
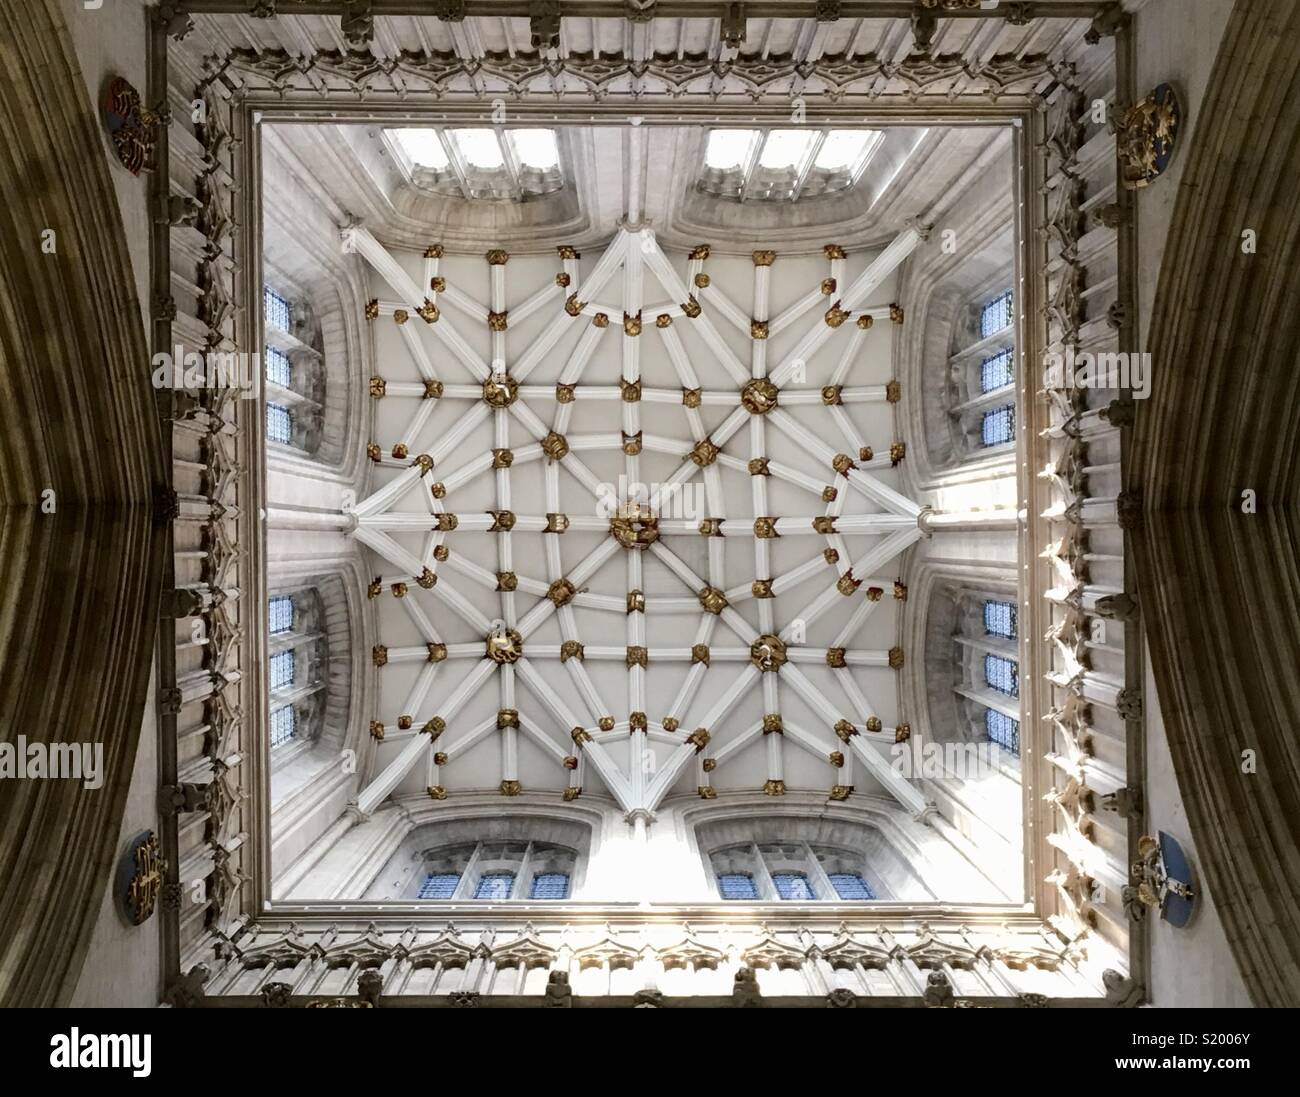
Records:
x=296, y=658
x=789, y=871
x=294, y=370
x=988, y=676
x=497, y=871
x=982, y=374
x=785, y=165
x=479, y=163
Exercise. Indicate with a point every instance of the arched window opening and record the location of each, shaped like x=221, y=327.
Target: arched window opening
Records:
x=986, y=654
x=294, y=371
x=496, y=871
x=514, y=164
x=297, y=651
x=790, y=871
x=784, y=165
x=982, y=375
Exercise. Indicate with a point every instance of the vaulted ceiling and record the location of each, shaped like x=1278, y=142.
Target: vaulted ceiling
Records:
x=738, y=611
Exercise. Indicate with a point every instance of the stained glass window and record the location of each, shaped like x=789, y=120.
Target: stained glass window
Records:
x=277, y=309
x=998, y=426
x=550, y=885
x=996, y=371
x=1002, y=674
x=278, y=367
x=439, y=885
x=495, y=885
x=280, y=613
x=1003, y=730
x=996, y=315
x=792, y=885
x=283, y=725
x=1000, y=619
x=279, y=423
x=737, y=885
x=850, y=885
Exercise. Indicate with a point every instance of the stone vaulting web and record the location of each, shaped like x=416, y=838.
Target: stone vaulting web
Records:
x=854, y=524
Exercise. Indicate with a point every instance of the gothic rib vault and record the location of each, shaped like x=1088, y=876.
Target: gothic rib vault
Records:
x=765, y=589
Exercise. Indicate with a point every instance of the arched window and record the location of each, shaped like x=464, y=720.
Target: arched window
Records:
x=790, y=871
x=295, y=375
x=987, y=657
x=785, y=165
x=296, y=662
x=982, y=371
x=480, y=163
x=496, y=871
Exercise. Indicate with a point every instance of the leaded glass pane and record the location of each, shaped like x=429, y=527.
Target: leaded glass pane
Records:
x=495, y=885
x=281, y=669
x=998, y=426
x=279, y=423
x=996, y=371
x=550, y=885
x=995, y=315
x=737, y=885
x=1000, y=619
x=277, y=310
x=1003, y=730
x=850, y=885
x=1002, y=674
x=283, y=725
x=439, y=885
x=280, y=613
x=278, y=367
x=792, y=885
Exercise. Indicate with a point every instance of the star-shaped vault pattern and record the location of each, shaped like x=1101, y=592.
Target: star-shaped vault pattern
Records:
x=575, y=553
